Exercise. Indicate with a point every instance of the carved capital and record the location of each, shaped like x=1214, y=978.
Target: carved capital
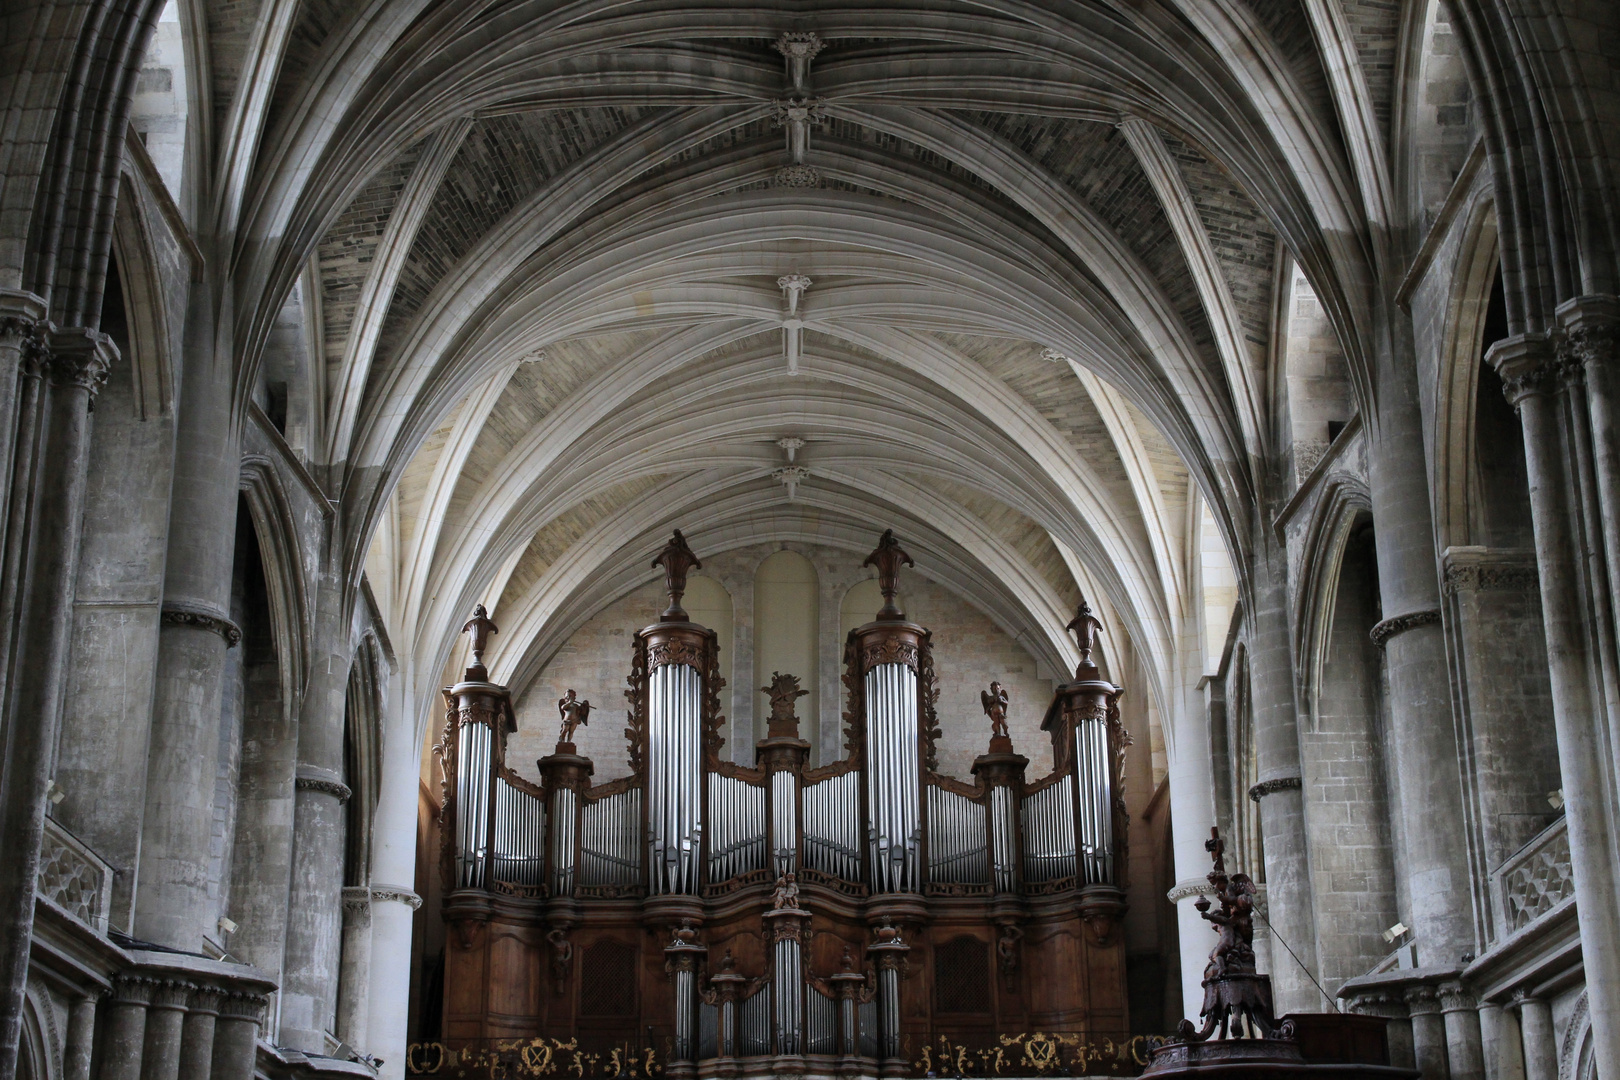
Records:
x=133, y=990
x=1274, y=785
x=1526, y=364
x=1454, y=997
x=892, y=650
x=243, y=1006
x=1400, y=624
x=171, y=994
x=1389, y=1004
x=357, y=899
x=206, y=1000
x=82, y=358
x=1421, y=1000
x=203, y=619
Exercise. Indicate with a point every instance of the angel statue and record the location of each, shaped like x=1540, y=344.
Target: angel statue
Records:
x=574, y=713
x=995, y=707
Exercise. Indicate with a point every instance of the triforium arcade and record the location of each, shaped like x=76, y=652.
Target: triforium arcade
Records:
x=747, y=920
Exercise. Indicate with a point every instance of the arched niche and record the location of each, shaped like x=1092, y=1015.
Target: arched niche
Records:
x=860, y=604
x=709, y=603
x=787, y=615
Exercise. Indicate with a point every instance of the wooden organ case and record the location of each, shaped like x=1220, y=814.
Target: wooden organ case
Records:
x=699, y=917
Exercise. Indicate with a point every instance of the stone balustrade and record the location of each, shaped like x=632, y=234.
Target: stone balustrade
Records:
x=1536, y=878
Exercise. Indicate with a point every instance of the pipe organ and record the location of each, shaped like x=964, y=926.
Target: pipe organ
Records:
x=728, y=919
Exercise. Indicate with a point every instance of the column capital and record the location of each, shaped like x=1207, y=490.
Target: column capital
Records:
x=81, y=357
x=242, y=1006
x=1421, y=1000
x=1455, y=997
x=1526, y=364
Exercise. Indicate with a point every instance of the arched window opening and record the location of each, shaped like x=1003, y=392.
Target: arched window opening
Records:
x=1502, y=486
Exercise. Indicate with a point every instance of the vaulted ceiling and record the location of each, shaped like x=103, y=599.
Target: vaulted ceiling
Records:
x=548, y=243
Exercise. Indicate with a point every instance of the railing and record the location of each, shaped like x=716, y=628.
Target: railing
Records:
x=1536, y=878
x=73, y=877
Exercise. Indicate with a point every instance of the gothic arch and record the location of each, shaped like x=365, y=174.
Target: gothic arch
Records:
x=1343, y=500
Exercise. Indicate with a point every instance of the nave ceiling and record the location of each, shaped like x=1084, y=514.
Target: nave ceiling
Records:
x=1041, y=241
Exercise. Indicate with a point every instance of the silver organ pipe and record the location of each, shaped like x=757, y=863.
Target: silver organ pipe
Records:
x=564, y=814
x=821, y=1023
x=832, y=826
x=957, y=839
x=475, y=763
x=1004, y=839
x=892, y=777
x=1095, y=792
x=674, y=777
x=1048, y=820
x=754, y=1024
x=520, y=829
x=708, y=1031
x=787, y=993
x=866, y=1020
x=736, y=827
x=784, y=822
x=610, y=841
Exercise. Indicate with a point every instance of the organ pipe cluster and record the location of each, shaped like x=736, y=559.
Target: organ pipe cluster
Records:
x=686, y=829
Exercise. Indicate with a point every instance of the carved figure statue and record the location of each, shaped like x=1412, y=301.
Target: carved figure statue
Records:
x=574, y=713
x=783, y=692
x=1007, y=940
x=995, y=707
x=787, y=892
x=1235, y=996
x=562, y=956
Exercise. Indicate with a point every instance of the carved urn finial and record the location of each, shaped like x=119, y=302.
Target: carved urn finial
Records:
x=784, y=691
x=574, y=713
x=994, y=701
x=480, y=626
x=1086, y=627
x=676, y=559
x=888, y=557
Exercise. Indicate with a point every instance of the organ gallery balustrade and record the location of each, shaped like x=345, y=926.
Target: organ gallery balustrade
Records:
x=775, y=917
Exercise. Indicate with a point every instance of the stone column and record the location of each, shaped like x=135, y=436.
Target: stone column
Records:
x=1464, y=1053
x=197, y=1035
x=1590, y=350
x=1428, y=1032
x=309, y=981
x=81, y=1039
x=41, y=562
x=1391, y=1005
x=236, y=1034
x=126, y=1028
x=393, y=860
x=1540, y=1040
x=1279, y=790
x=1585, y=765
x=165, y=1020
x=1431, y=851
x=354, y=981
x=1502, y=1043
x=173, y=906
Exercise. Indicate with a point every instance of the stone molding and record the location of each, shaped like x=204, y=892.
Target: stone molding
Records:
x=797, y=176
x=1400, y=624
x=335, y=788
x=1487, y=577
x=1390, y=1005
x=1190, y=887
x=1274, y=785
x=202, y=619
x=398, y=894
